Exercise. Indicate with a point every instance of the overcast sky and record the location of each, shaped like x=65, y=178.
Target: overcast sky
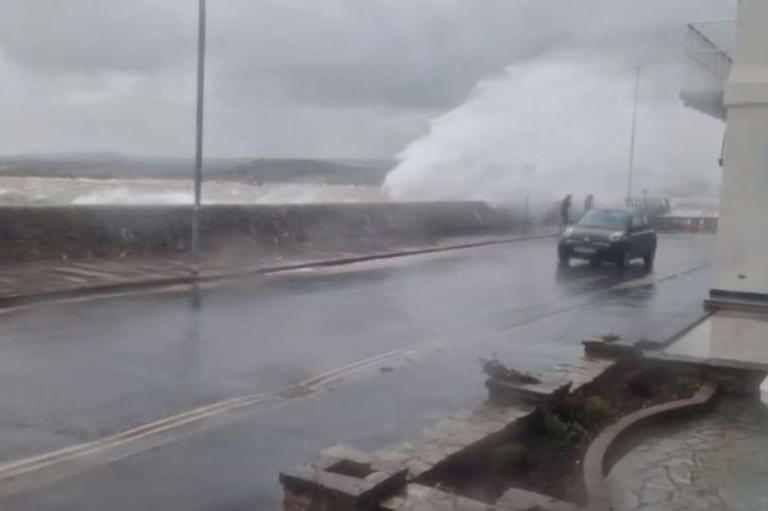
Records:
x=324, y=78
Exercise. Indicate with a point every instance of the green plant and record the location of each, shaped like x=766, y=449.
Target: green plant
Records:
x=562, y=432
x=598, y=412
x=689, y=385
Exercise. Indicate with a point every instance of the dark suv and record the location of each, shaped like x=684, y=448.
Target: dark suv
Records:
x=617, y=235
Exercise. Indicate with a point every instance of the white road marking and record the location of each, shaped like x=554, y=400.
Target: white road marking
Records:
x=26, y=465
x=315, y=383
x=30, y=465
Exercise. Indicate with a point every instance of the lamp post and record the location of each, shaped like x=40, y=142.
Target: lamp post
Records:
x=199, y=138
x=632, y=136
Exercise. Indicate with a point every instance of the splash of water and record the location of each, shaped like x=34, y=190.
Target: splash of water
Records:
x=560, y=124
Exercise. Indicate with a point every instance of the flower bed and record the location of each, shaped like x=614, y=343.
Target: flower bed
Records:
x=547, y=456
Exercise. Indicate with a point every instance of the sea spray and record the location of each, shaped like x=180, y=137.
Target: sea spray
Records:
x=555, y=125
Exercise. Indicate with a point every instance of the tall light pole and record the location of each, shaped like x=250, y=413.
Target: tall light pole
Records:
x=632, y=137
x=199, y=138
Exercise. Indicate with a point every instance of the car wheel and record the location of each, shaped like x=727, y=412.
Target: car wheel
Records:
x=625, y=259
x=648, y=260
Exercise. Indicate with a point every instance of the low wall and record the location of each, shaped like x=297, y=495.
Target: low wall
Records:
x=686, y=224
x=28, y=233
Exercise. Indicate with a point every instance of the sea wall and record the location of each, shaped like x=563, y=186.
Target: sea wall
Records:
x=29, y=233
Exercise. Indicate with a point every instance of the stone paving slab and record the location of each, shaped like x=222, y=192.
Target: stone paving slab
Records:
x=516, y=499
x=542, y=393
x=719, y=462
x=346, y=478
x=583, y=372
x=424, y=498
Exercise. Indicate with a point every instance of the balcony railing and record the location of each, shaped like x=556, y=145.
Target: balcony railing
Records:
x=710, y=45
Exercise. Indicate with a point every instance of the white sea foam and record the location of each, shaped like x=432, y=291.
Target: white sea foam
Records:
x=84, y=191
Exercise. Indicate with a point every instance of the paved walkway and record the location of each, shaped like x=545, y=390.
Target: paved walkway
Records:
x=34, y=278
x=719, y=462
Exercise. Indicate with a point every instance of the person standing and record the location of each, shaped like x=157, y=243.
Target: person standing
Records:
x=565, y=210
x=589, y=202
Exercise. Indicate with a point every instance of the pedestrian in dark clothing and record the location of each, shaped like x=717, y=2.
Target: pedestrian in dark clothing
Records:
x=589, y=202
x=565, y=209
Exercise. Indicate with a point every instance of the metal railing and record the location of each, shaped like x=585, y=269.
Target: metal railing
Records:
x=652, y=207
x=710, y=44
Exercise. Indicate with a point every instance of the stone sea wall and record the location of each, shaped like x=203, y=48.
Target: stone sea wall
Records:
x=30, y=233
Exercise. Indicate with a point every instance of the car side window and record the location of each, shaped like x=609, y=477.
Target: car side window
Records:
x=637, y=222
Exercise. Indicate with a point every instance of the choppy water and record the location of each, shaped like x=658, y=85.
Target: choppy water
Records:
x=38, y=191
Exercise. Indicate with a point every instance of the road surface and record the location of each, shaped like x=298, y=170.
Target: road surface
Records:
x=160, y=401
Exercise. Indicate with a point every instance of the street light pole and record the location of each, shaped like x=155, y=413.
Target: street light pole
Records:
x=632, y=138
x=199, y=138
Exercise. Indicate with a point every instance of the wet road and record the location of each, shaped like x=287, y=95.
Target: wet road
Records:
x=79, y=372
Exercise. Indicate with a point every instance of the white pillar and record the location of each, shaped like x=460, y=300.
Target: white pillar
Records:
x=742, y=265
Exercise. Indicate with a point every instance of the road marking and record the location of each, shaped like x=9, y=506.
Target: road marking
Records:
x=656, y=279
x=32, y=464
x=544, y=311
x=317, y=382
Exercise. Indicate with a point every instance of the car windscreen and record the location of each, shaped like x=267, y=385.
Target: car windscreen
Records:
x=605, y=219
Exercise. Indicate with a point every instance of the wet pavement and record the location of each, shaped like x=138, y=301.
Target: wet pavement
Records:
x=718, y=462
x=35, y=278
x=80, y=371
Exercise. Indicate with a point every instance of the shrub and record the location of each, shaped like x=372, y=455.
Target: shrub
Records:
x=570, y=409
x=598, y=412
x=562, y=432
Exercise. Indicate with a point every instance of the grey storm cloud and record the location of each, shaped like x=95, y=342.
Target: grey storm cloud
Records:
x=91, y=36
x=314, y=77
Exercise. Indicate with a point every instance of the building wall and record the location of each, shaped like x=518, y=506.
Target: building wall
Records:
x=742, y=240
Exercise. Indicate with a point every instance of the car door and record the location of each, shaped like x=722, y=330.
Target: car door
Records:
x=637, y=235
x=649, y=235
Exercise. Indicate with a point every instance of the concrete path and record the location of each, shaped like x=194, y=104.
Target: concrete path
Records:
x=171, y=400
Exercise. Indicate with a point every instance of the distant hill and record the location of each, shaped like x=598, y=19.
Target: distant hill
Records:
x=110, y=166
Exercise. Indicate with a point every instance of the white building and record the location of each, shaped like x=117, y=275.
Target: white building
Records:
x=742, y=255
